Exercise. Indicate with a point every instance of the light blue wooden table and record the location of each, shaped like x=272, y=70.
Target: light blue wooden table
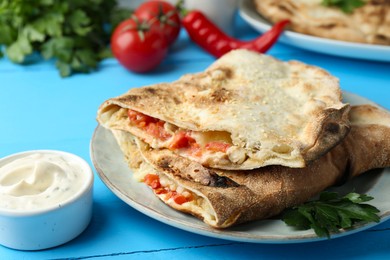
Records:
x=40, y=110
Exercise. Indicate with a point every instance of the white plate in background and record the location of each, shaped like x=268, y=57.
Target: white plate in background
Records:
x=364, y=51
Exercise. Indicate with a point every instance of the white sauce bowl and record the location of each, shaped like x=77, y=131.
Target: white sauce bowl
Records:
x=41, y=227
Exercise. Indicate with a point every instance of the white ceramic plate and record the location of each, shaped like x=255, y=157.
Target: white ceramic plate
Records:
x=114, y=172
x=322, y=45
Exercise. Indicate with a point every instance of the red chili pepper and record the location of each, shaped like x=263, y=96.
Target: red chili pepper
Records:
x=206, y=34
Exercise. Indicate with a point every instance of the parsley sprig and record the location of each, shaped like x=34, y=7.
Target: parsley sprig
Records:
x=347, y=6
x=330, y=213
x=73, y=32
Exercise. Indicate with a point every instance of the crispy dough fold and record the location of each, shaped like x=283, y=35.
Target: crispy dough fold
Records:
x=243, y=196
x=270, y=112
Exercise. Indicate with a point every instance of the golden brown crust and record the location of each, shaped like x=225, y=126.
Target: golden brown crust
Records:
x=371, y=129
x=278, y=113
x=367, y=24
x=265, y=192
x=260, y=193
x=326, y=137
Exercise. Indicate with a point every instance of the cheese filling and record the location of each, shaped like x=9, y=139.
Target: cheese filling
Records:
x=167, y=189
x=179, y=197
x=174, y=194
x=207, y=147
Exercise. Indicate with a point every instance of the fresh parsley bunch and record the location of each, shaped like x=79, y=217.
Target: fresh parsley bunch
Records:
x=330, y=213
x=75, y=33
x=347, y=6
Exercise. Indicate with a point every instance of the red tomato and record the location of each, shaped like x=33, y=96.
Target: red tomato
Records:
x=181, y=140
x=195, y=150
x=162, y=15
x=161, y=191
x=152, y=180
x=217, y=146
x=157, y=130
x=138, y=46
x=139, y=119
x=179, y=199
x=152, y=126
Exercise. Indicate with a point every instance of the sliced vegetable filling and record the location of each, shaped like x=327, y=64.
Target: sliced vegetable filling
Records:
x=191, y=143
x=168, y=191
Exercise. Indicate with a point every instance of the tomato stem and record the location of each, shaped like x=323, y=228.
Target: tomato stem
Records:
x=180, y=8
x=140, y=26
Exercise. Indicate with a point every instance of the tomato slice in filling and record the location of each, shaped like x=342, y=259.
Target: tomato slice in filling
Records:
x=153, y=126
x=180, y=140
x=216, y=146
x=153, y=181
x=179, y=198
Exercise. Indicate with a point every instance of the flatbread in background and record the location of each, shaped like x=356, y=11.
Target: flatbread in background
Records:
x=367, y=24
x=247, y=110
x=224, y=198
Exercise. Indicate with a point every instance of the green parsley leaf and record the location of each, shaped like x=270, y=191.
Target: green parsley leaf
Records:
x=64, y=68
x=80, y=23
x=106, y=53
x=50, y=24
x=330, y=213
x=347, y=6
x=32, y=34
x=19, y=49
x=118, y=15
x=75, y=33
x=7, y=35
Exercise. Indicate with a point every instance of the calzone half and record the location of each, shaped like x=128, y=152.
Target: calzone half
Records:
x=223, y=198
x=247, y=110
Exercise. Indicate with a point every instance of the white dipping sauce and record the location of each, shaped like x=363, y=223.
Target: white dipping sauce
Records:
x=39, y=181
